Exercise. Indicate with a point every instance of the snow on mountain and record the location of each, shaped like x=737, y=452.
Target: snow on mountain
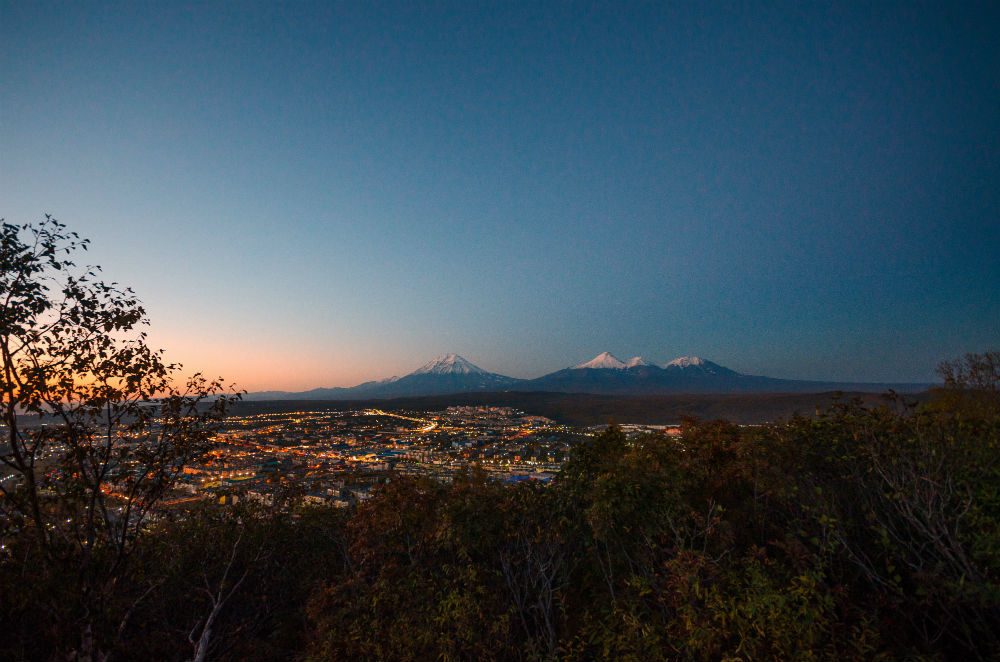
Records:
x=693, y=365
x=635, y=362
x=603, y=361
x=449, y=364
x=686, y=362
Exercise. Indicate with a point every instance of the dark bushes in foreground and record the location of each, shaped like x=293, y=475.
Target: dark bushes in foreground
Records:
x=864, y=534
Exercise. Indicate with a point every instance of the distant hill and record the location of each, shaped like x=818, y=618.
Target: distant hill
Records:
x=603, y=375
x=449, y=373
x=608, y=375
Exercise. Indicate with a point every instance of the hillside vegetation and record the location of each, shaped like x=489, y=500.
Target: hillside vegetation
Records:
x=865, y=533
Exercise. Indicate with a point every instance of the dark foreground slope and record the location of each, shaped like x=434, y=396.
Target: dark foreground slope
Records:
x=842, y=538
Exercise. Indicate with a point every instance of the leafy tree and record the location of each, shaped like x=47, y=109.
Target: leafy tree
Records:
x=868, y=533
x=228, y=583
x=97, y=428
x=971, y=386
x=907, y=502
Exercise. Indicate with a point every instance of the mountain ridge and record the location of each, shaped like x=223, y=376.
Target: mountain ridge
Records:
x=605, y=374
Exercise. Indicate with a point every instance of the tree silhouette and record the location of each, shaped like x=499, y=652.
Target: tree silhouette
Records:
x=96, y=424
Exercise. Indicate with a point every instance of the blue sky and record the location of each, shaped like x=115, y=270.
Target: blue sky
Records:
x=320, y=194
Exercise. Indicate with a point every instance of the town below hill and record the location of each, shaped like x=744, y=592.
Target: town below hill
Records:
x=597, y=409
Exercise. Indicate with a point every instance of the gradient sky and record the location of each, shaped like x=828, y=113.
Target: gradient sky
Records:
x=320, y=194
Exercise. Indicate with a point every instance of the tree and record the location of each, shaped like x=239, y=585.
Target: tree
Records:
x=96, y=425
x=971, y=386
x=906, y=502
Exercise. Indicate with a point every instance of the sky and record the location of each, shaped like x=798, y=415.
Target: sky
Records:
x=319, y=194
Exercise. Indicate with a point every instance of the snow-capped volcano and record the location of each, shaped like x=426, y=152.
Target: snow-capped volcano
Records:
x=449, y=364
x=697, y=365
x=686, y=361
x=603, y=361
x=445, y=374
x=604, y=374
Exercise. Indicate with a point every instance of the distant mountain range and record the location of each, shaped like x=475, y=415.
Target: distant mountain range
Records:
x=603, y=375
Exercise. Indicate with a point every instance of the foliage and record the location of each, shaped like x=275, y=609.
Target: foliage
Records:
x=868, y=532
x=115, y=430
